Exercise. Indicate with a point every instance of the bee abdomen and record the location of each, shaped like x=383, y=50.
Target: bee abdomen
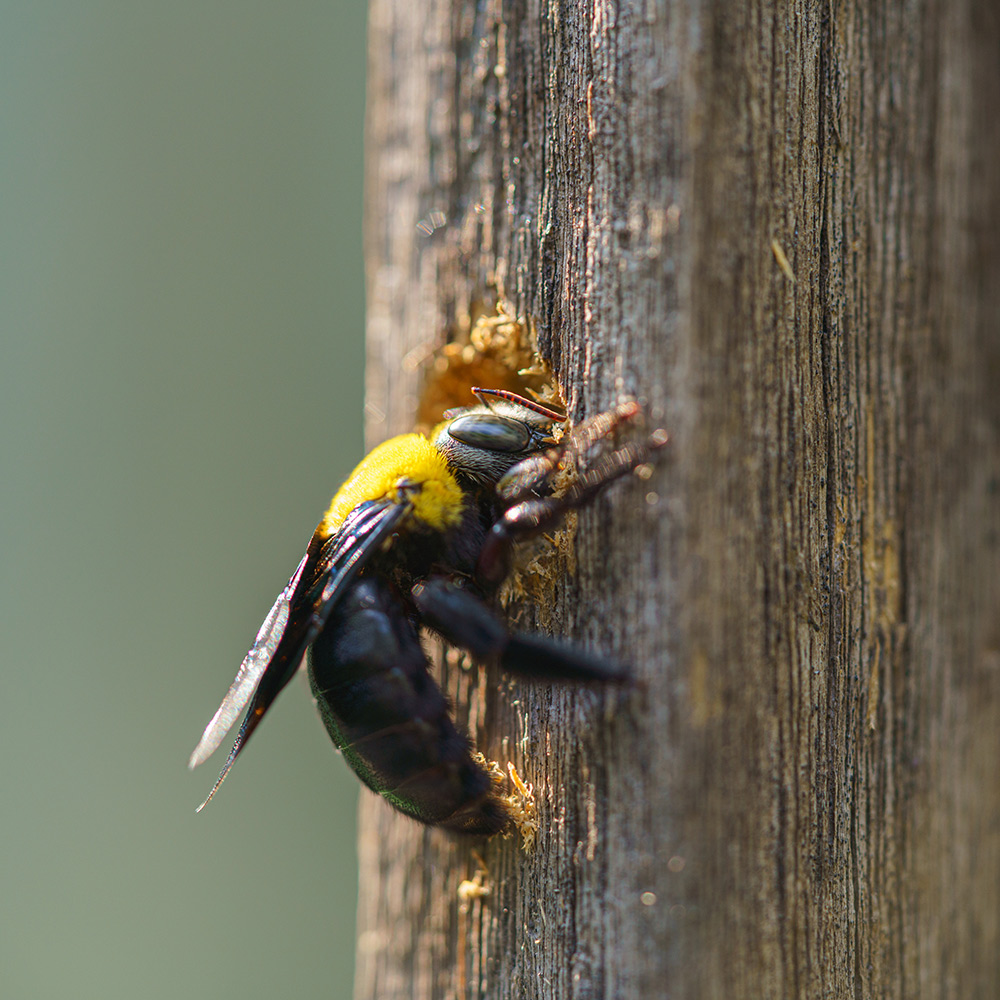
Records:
x=391, y=721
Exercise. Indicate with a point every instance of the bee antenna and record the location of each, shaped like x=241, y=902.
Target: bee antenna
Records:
x=512, y=397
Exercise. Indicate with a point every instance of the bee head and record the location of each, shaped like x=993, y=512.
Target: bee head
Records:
x=483, y=442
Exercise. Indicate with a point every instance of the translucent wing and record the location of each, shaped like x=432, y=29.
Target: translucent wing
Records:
x=298, y=616
x=254, y=664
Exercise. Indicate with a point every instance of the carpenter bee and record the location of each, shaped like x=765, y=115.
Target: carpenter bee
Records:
x=422, y=534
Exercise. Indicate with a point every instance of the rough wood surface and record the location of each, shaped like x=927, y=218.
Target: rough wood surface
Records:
x=777, y=225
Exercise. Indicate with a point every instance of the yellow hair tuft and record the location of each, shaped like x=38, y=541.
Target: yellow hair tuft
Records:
x=408, y=459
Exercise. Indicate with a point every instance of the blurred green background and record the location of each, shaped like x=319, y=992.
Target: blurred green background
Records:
x=181, y=298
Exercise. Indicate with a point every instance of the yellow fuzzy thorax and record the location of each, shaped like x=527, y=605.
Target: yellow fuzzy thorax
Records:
x=409, y=458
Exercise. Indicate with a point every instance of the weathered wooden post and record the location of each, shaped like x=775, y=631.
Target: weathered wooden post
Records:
x=777, y=224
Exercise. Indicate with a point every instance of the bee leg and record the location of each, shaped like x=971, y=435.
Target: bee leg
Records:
x=462, y=619
x=530, y=517
x=533, y=475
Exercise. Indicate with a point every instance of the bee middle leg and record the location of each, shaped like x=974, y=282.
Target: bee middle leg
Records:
x=462, y=619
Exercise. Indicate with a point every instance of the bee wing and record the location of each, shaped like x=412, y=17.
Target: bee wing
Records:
x=254, y=664
x=298, y=616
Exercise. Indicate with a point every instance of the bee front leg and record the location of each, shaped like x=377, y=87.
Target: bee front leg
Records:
x=528, y=518
x=462, y=619
x=538, y=492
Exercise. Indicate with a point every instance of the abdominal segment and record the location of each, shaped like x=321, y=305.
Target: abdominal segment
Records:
x=390, y=719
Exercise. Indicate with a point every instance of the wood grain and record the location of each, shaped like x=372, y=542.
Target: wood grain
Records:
x=776, y=225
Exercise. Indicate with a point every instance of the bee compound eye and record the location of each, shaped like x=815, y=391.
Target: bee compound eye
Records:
x=490, y=431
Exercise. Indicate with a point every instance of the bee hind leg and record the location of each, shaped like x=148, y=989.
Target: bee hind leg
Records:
x=462, y=619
